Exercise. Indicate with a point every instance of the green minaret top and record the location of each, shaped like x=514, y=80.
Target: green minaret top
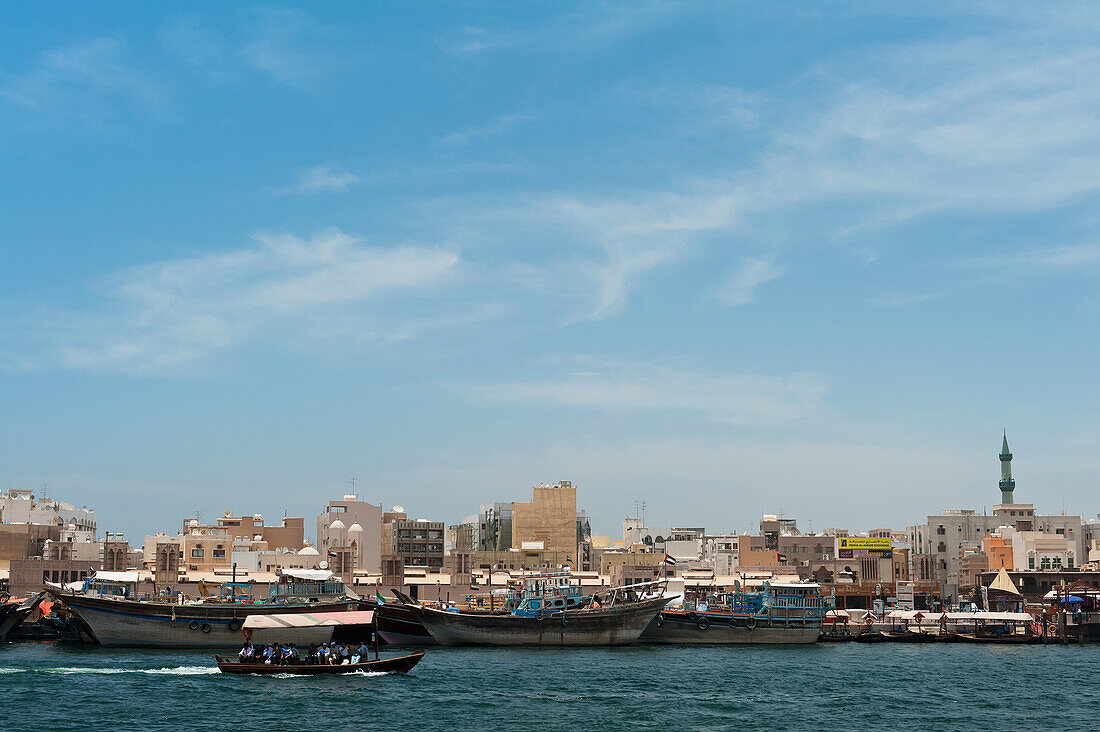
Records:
x=1007, y=484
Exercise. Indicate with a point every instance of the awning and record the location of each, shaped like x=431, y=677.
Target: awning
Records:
x=309, y=620
x=1003, y=583
x=115, y=576
x=313, y=575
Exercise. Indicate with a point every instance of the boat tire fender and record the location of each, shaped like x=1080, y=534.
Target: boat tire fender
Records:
x=702, y=623
x=235, y=624
x=193, y=625
x=750, y=623
x=660, y=619
x=539, y=615
x=1052, y=629
x=206, y=627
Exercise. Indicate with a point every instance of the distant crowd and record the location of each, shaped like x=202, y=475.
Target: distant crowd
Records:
x=286, y=654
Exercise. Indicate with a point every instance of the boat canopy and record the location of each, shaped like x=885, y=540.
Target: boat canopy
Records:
x=313, y=575
x=930, y=616
x=308, y=620
x=103, y=576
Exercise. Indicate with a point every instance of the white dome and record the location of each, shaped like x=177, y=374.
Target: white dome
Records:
x=336, y=525
x=308, y=551
x=355, y=528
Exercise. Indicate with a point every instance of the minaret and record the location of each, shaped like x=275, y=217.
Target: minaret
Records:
x=1007, y=484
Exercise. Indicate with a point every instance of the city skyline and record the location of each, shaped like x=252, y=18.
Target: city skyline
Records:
x=663, y=251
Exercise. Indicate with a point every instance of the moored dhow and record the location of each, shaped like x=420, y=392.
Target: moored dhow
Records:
x=777, y=613
x=104, y=611
x=549, y=613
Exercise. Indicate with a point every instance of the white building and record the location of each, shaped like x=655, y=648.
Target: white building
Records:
x=20, y=506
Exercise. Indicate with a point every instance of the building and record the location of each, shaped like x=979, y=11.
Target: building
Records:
x=356, y=526
x=550, y=521
x=945, y=534
x=417, y=543
x=19, y=506
x=289, y=534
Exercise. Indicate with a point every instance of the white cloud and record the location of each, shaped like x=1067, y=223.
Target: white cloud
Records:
x=174, y=313
x=1070, y=257
x=490, y=129
x=740, y=399
x=68, y=79
x=587, y=25
x=325, y=178
x=740, y=289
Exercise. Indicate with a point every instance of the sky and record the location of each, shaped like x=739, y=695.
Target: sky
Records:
x=723, y=258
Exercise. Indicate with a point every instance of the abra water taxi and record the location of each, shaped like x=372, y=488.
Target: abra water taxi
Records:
x=398, y=665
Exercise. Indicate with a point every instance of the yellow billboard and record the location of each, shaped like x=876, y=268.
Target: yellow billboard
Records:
x=854, y=546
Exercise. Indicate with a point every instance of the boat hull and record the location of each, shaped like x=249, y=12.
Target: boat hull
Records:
x=399, y=665
x=399, y=626
x=609, y=626
x=119, y=623
x=686, y=629
x=13, y=614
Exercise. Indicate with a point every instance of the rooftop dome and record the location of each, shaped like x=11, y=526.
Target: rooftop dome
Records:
x=336, y=525
x=355, y=528
x=308, y=551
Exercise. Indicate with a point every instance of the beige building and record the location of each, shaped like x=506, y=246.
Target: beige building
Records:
x=355, y=526
x=549, y=521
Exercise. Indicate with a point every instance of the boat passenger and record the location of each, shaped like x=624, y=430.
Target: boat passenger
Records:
x=246, y=653
x=268, y=655
x=311, y=654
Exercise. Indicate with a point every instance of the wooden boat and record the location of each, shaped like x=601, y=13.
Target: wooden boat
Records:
x=105, y=613
x=537, y=621
x=780, y=613
x=1004, y=639
x=398, y=665
x=15, y=611
x=399, y=626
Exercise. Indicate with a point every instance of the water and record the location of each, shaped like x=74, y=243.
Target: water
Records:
x=844, y=686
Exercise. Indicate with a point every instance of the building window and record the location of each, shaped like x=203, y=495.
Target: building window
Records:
x=1069, y=562
x=1057, y=562
x=1031, y=562
x=941, y=531
x=197, y=552
x=1044, y=563
x=219, y=554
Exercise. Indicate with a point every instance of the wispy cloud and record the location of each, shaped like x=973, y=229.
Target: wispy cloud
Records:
x=70, y=79
x=739, y=399
x=895, y=299
x=740, y=289
x=590, y=24
x=287, y=45
x=164, y=316
x=491, y=129
x=1069, y=257
x=325, y=178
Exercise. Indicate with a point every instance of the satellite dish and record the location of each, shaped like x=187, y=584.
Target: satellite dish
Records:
x=399, y=509
x=323, y=565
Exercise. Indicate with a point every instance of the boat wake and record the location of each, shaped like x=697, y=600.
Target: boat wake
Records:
x=68, y=670
x=324, y=676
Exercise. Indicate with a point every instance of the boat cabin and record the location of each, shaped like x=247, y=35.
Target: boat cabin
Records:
x=547, y=593
x=301, y=586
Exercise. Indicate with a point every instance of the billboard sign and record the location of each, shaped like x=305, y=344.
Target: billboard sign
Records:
x=849, y=547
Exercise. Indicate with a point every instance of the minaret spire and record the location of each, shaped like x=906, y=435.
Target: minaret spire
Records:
x=1007, y=484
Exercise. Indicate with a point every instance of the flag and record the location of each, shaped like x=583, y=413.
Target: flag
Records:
x=378, y=596
x=783, y=558
x=332, y=552
x=669, y=560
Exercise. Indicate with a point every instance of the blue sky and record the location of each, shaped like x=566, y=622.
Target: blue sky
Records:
x=724, y=258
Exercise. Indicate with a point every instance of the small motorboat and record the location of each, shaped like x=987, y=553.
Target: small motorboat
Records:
x=398, y=665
